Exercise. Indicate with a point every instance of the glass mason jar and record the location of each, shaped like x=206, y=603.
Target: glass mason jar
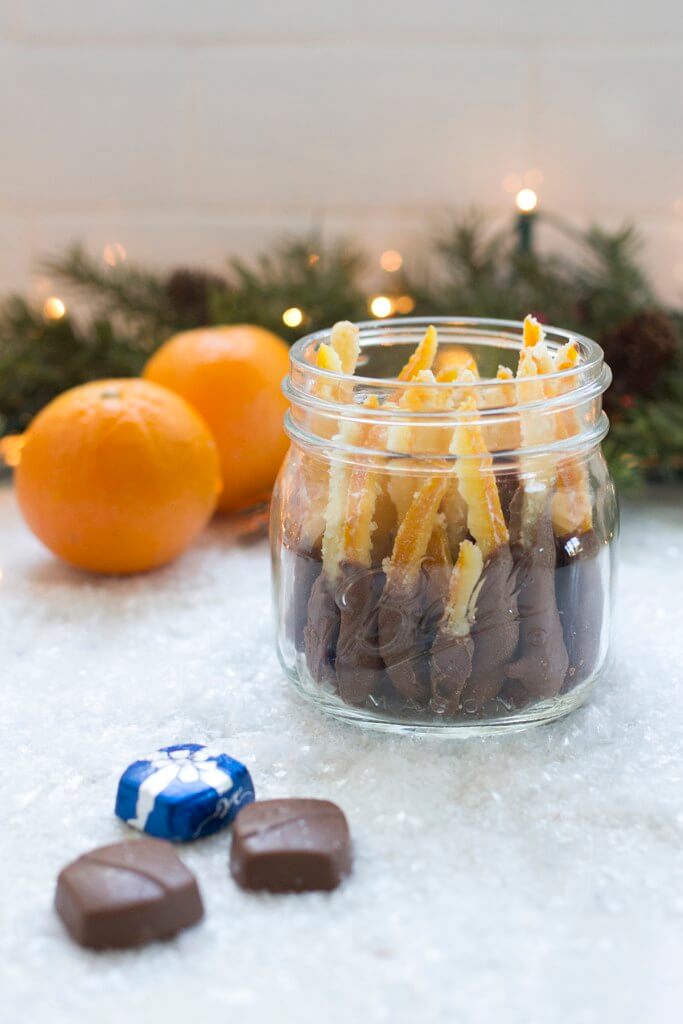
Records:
x=444, y=552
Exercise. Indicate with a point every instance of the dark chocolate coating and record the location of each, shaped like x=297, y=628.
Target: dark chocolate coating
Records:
x=358, y=662
x=580, y=600
x=495, y=630
x=401, y=643
x=127, y=894
x=451, y=665
x=321, y=631
x=307, y=566
x=290, y=845
x=541, y=662
x=407, y=624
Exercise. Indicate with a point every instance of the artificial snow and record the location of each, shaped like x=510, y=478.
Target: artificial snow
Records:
x=531, y=878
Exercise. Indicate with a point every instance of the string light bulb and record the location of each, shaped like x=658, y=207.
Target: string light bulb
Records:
x=526, y=200
x=53, y=308
x=381, y=306
x=391, y=261
x=113, y=254
x=292, y=317
x=404, y=304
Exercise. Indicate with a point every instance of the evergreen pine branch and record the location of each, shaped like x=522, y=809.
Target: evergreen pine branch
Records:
x=39, y=358
x=127, y=291
x=478, y=272
x=324, y=281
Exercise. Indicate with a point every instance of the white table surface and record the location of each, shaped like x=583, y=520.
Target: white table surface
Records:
x=535, y=877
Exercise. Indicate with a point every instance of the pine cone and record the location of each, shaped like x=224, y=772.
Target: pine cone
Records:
x=189, y=292
x=638, y=349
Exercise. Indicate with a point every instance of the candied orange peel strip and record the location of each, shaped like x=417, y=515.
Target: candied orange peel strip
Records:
x=333, y=547
x=413, y=536
x=571, y=504
x=503, y=431
x=327, y=359
x=537, y=428
x=454, y=508
x=340, y=356
x=344, y=341
x=543, y=358
x=532, y=331
x=438, y=548
x=359, y=525
x=450, y=374
x=460, y=607
x=477, y=483
x=423, y=356
x=567, y=357
x=401, y=490
x=453, y=359
x=411, y=438
x=361, y=500
x=571, y=507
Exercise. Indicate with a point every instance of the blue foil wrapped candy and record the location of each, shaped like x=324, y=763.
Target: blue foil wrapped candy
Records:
x=183, y=792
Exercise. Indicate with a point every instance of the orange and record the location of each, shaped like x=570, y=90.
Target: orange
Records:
x=118, y=476
x=233, y=377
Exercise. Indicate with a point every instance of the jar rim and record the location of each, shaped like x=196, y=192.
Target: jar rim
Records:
x=319, y=399
x=510, y=331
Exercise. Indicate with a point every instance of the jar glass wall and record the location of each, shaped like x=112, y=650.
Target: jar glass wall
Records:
x=443, y=544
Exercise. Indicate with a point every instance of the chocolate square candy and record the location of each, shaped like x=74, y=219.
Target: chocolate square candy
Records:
x=183, y=792
x=127, y=894
x=290, y=846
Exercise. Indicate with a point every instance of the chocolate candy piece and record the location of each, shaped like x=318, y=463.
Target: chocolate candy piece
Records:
x=290, y=846
x=495, y=630
x=541, y=661
x=580, y=600
x=127, y=894
x=358, y=662
x=183, y=792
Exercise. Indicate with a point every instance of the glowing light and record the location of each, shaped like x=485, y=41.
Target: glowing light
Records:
x=292, y=317
x=391, y=261
x=404, y=304
x=10, y=449
x=381, y=306
x=526, y=200
x=113, y=254
x=53, y=308
x=313, y=258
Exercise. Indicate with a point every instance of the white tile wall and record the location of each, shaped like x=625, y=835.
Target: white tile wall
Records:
x=609, y=126
x=194, y=130
x=328, y=127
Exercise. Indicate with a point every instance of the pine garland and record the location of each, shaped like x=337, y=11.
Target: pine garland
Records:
x=602, y=293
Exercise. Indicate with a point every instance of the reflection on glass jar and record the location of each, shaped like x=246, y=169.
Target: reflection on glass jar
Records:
x=443, y=528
